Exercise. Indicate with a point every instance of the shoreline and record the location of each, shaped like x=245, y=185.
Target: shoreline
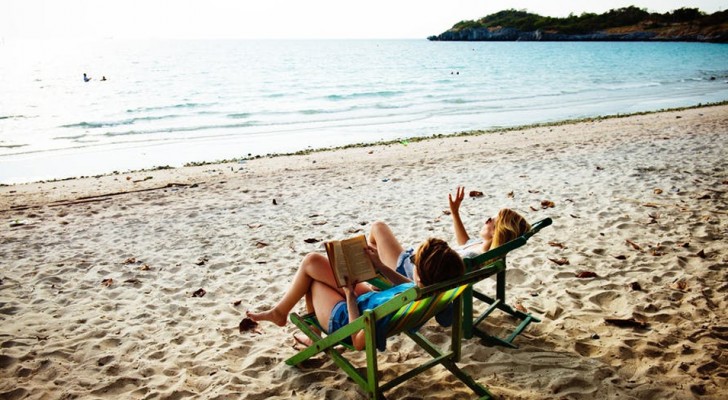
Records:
x=413, y=139
x=97, y=289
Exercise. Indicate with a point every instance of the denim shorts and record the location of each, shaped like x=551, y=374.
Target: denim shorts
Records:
x=405, y=266
x=339, y=316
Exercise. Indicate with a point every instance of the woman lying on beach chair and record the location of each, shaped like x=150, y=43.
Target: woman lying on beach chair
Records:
x=335, y=307
x=496, y=231
x=501, y=234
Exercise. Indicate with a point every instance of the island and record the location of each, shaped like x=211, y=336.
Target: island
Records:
x=623, y=24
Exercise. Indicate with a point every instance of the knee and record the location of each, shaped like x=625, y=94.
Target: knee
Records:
x=314, y=259
x=378, y=227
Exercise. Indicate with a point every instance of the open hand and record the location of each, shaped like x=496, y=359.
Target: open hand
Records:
x=455, y=203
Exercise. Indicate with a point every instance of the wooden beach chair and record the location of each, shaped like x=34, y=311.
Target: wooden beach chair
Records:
x=496, y=259
x=407, y=312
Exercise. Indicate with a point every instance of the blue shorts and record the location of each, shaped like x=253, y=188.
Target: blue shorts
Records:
x=339, y=316
x=404, y=264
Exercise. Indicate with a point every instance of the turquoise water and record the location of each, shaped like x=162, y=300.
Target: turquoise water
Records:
x=172, y=102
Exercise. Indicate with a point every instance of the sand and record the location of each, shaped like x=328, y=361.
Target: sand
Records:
x=98, y=274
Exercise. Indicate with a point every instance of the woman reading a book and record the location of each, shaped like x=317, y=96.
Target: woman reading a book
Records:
x=496, y=231
x=335, y=307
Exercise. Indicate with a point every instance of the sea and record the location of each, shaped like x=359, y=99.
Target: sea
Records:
x=174, y=102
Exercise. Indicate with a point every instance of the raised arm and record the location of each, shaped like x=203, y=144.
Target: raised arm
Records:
x=461, y=236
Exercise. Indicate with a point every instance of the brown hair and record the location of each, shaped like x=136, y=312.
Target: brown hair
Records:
x=508, y=226
x=437, y=262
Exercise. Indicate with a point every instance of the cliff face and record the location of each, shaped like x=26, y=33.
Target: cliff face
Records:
x=713, y=34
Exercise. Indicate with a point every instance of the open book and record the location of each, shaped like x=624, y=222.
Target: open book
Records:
x=349, y=261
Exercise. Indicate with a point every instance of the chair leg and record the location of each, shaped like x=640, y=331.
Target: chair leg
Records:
x=494, y=304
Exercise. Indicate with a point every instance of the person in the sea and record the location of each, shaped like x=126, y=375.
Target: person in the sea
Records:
x=335, y=307
x=103, y=78
x=86, y=78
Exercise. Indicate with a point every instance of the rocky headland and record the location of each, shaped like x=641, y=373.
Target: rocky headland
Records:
x=626, y=24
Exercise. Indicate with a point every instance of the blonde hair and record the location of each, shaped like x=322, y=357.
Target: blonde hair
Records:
x=508, y=226
x=437, y=262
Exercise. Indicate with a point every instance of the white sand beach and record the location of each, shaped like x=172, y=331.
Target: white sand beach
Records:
x=98, y=274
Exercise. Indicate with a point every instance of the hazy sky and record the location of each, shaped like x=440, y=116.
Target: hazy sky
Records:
x=100, y=19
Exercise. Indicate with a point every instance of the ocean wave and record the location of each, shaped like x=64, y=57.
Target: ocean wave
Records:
x=181, y=129
x=172, y=106
x=12, y=116
x=13, y=146
x=239, y=115
x=130, y=121
x=383, y=93
x=458, y=101
x=73, y=137
x=343, y=116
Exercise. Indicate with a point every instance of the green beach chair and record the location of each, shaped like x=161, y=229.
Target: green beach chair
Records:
x=407, y=312
x=496, y=258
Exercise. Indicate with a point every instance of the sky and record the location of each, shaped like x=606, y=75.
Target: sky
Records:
x=280, y=19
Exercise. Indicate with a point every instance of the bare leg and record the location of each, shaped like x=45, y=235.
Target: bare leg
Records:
x=314, y=267
x=387, y=245
x=321, y=299
x=324, y=299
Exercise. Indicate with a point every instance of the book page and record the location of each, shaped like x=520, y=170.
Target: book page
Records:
x=359, y=265
x=337, y=260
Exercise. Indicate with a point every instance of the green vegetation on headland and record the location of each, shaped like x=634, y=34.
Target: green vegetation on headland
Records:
x=623, y=24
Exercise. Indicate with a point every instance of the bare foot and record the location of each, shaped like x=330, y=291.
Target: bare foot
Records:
x=303, y=339
x=272, y=315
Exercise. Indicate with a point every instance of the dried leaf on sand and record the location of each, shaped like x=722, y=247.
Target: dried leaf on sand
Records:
x=586, y=274
x=199, y=292
x=247, y=324
x=547, y=204
x=311, y=240
x=627, y=322
x=475, y=193
x=635, y=286
x=557, y=244
x=560, y=261
x=680, y=284
x=107, y=282
x=634, y=245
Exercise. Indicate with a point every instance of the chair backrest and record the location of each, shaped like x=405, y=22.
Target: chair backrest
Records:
x=416, y=313
x=431, y=300
x=501, y=251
